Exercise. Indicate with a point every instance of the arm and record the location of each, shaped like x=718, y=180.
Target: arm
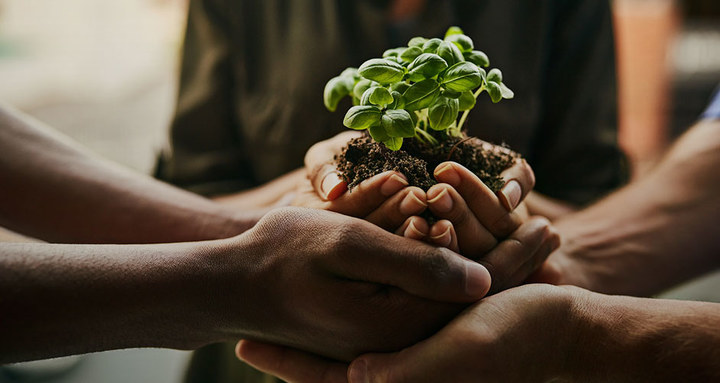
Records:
x=656, y=232
x=338, y=295
x=57, y=191
x=535, y=333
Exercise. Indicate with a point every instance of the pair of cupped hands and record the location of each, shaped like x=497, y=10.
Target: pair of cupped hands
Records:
x=392, y=279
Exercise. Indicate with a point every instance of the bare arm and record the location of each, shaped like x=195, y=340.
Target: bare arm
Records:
x=55, y=190
x=656, y=232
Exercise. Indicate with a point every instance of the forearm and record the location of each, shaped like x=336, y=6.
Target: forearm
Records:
x=271, y=194
x=656, y=232
x=626, y=339
x=55, y=190
x=67, y=299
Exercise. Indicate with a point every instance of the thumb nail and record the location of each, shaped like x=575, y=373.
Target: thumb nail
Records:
x=358, y=372
x=510, y=195
x=477, y=282
x=330, y=186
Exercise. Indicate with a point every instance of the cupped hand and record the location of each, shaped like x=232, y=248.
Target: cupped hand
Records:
x=338, y=286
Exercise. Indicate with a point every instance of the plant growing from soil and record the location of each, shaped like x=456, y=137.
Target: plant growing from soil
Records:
x=410, y=103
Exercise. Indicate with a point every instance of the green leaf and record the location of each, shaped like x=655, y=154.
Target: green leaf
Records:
x=451, y=94
x=494, y=91
x=450, y=53
x=383, y=71
x=361, y=87
x=394, y=52
x=506, y=92
x=466, y=100
x=397, y=123
x=421, y=94
x=494, y=75
x=400, y=86
x=478, y=58
x=362, y=117
x=393, y=143
x=417, y=42
x=378, y=133
x=365, y=99
x=408, y=55
x=431, y=45
x=453, y=31
x=443, y=112
x=462, y=77
x=398, y=100
x=464, y=43
x=425, y=66
x=380, y=96
x=413, y=116
x=351, y=72
x=335, y=89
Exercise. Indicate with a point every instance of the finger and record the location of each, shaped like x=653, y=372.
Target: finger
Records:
x=445, y=202
x=442, y=233
x=369, y=195
x=482, y=201
x=519, y=180
x=549, y=244
x=377, y=256
x=290, y=364
x=396, y=209
x=414, y=227
x=509, y=256
x=319, y=162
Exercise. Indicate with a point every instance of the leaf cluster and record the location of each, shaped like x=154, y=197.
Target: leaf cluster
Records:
x=411, y=89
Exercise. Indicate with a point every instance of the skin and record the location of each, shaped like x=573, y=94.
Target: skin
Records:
x=630, y=243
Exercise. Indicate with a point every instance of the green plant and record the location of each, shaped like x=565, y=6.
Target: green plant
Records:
x=416, y=88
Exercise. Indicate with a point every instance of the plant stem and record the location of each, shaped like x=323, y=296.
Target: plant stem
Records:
x=465, y=113
x=425, y=136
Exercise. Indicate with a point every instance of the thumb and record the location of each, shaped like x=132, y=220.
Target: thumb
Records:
x=321, y=171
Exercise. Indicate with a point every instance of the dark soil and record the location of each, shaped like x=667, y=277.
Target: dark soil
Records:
x=363, y=158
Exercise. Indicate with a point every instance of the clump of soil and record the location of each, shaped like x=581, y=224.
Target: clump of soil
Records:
x=363, y=158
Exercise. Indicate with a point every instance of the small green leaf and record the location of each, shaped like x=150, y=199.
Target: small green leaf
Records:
x=362, y=117
x=378, y=133
x=462, y=77
x=413, y=116
x=361, y=87
x=443, y=112
x=421, y=94
x=397, y=123
x=425, y=66
x=478, y=58
x=466, y=100
x=400, y=86
x=450, y=53
x=453, y=31
x=351, y=72
x=365, y=99
x=506, y=92
x=451, y=93
x=494, y=91
x=431, y=45
x=393, y=143
x=383, y=71
x=398, y=100
x=417, y=42
x=380, y=96
x=335, y=89
x=495, y=75
x=394, y=52
x=464, y=43
x=408, y=55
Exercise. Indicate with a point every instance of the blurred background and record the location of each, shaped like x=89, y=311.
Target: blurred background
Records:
x=104, y=73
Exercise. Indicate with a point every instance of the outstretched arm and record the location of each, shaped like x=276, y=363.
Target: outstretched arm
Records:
x=55, y=190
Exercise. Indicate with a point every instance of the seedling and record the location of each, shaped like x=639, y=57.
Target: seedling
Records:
x=415, y=90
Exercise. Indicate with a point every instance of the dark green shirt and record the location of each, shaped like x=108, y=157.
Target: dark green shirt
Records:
x=253, y=72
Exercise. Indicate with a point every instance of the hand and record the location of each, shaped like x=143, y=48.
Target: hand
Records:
x=296, y=366
x=338, y=286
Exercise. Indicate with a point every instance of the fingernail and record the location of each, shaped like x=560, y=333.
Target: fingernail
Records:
x=445, y=236
x=392, y=185
x=442, y=202
x=510, y=195
x=477, y=280
x=447, y=174
x=329, y=183
x=412, y=232
x=358, y=372
x=411, y=204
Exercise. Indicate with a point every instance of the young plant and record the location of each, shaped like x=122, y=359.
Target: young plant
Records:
x=412, y=90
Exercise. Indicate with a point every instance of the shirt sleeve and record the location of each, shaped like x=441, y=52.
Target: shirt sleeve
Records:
x=713, y=110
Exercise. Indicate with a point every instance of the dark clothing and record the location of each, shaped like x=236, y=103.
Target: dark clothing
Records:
x=252, y=81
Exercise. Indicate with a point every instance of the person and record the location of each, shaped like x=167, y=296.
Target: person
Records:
x=648, y=236
x=249, y=103
x=141, y=263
